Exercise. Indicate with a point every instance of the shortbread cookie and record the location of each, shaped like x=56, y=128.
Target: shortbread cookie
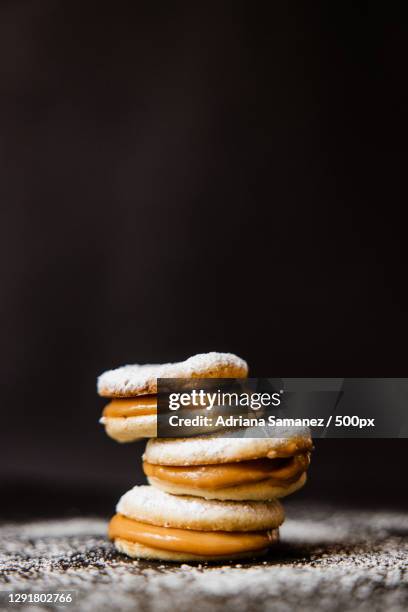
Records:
x=131, y=380
x=139, y=551
x=154, y=525
x=127, y=420
x=215, y=449
x=221, y=468
x=132, y=412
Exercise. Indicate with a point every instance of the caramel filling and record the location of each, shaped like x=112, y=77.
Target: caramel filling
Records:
x=211, y=543
x=133, y=406
x=279, y=471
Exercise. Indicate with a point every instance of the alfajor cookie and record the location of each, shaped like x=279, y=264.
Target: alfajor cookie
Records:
x=150, y=524
x=132, y=412
x=223, y=468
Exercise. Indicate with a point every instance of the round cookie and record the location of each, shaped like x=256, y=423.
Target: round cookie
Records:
x=152, y=524
x=149, y=505
x=139, y=551
x=215, y=449
x=130, y=429
x=131, y=380
x=129, y=419
x=132, y=412
x=221, y=468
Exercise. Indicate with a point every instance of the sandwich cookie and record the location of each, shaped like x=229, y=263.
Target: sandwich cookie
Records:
x=132, y=412
x=150, y=524
x=222, y=468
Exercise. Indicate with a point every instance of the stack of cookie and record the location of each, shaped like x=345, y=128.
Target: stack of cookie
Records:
x=209, y=497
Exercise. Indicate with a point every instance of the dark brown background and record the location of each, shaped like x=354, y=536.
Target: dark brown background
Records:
x=185, y=177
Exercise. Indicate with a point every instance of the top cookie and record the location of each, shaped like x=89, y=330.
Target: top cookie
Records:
x=131, y=380
x=215, y=449
x=150, y=505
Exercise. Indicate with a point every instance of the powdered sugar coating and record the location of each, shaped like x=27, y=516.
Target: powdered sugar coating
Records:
x=150, y=505
x=214, y=449
x=130, y=380
x=333, y=558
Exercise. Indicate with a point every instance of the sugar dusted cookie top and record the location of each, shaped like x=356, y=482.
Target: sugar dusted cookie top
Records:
x=150, y=505
x=131, y=380
x=221, y=448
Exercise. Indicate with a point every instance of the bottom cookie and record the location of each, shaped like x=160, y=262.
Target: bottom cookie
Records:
x=151, y=524
x=257, y=491
x=130, y=429
x=140, y=551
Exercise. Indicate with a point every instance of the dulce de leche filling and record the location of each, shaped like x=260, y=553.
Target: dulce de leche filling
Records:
x=278, y=471
x=133, y=406
x=211, y=543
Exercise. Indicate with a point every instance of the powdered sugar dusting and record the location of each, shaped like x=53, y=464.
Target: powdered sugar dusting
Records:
x=135, y=379
x=221, y=448
x=147, y=504
x=342, y=561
